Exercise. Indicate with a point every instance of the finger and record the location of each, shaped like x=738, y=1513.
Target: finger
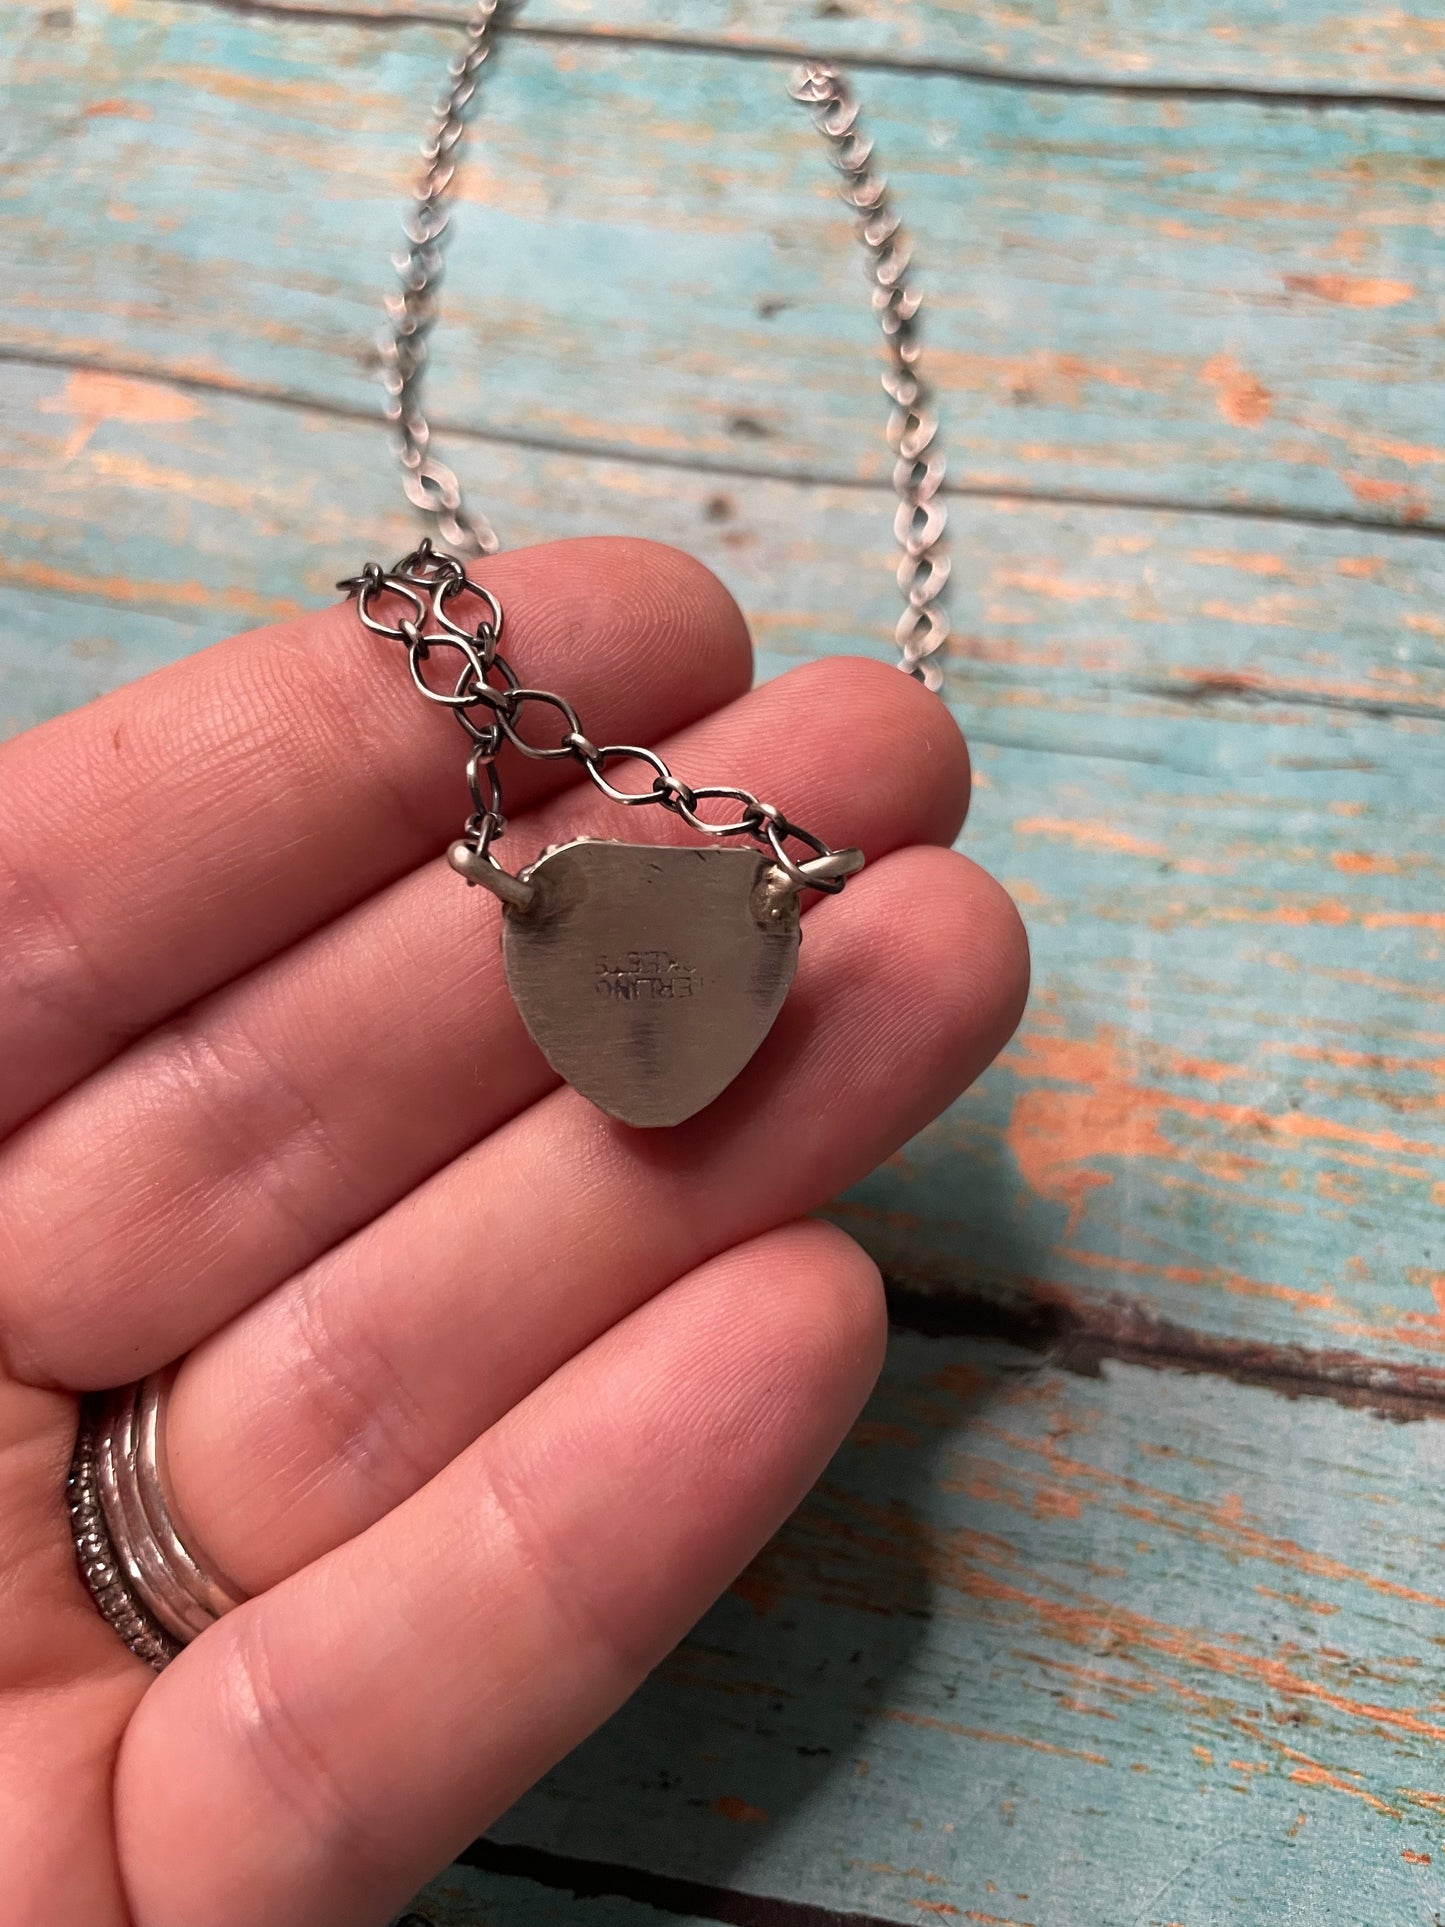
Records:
x=172, y=834
x=315, y=1756
x=341, y=1393
x=227, y=1150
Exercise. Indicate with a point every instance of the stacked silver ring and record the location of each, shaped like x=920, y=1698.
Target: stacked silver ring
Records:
x=148, y=1580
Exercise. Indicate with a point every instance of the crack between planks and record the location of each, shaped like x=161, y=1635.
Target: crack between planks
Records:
x=1077, y=1335
x=1312, y=100
x=721, y=467
x=667, y=1893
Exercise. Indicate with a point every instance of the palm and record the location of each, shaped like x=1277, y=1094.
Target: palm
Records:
x=485, y=1397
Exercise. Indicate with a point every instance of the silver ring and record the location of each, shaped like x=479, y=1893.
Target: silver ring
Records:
x=141, y=1564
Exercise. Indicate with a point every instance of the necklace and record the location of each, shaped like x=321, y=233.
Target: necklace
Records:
x=648, y=975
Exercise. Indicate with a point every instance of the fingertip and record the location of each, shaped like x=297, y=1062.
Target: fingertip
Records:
x=898, y=738
x=972, y=950
x=932, y=935
x=832, y=1312
x=993, y=954
x=663, y=614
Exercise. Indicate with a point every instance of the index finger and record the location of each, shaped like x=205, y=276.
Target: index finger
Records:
x=180, y=830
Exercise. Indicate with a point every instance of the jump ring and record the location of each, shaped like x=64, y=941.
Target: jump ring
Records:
x=775, y=831
x=746, y=825
x=674, y=794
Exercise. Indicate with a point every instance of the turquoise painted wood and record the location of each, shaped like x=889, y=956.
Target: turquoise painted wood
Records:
x=1308, y=44
x=1210, y=765
x=1215, y=302
x=1046, y=1650
x=1071, y=1651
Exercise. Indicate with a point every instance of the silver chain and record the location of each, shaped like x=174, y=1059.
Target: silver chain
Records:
x=430, y=603
x=412, y=311
x=921, y=518
x=918, y=469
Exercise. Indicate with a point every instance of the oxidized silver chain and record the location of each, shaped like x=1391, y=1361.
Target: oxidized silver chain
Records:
x=420, y=603
x=912, y=432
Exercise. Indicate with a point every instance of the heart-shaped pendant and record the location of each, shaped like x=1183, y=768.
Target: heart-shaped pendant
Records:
x=649, y=976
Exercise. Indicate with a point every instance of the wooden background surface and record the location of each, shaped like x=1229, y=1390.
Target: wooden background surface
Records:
x=1125, y=1605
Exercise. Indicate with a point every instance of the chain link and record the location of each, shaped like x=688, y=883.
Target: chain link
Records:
x=417, y=604
x=412, y=311
x=918, y=469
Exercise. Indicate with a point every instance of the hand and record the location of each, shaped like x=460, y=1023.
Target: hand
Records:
x=485, y=1397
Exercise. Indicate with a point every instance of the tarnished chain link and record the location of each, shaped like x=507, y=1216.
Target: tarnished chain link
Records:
x=918, y=469
x=420, y=603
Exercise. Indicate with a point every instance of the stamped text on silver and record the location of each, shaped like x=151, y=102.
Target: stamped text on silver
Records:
x=648, y=976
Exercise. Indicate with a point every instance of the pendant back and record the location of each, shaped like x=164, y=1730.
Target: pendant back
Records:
x=648, y=976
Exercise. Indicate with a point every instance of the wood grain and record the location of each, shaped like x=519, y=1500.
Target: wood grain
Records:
x=1310, y=44
x=1046, y=1649
x=1212, y=302
x=1209, y=757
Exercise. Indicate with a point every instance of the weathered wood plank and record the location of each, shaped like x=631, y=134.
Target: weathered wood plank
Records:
x=1310, y=44
x=1211, y=302
x=1047, y=1650
x=1043, y=1649
x=1210, y=766
x=470, y=1897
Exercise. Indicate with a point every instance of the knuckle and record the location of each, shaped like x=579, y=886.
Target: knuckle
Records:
x=567, y=1585
x=361, y=1411
x=51, y=963
x=261, y=1118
